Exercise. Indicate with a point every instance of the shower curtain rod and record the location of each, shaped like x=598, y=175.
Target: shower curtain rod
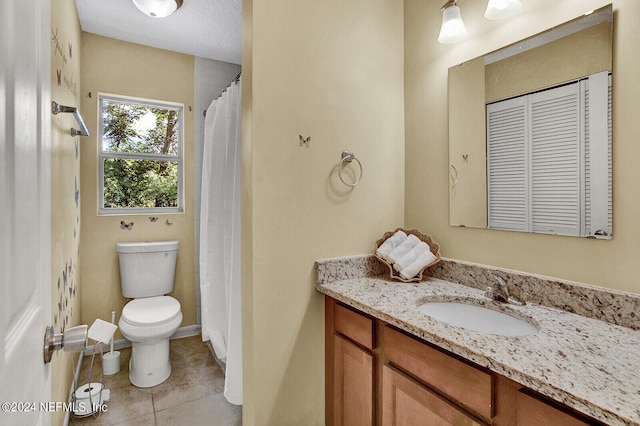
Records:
x=235, y=80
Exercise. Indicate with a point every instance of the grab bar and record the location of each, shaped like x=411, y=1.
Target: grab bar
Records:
x=57, y=109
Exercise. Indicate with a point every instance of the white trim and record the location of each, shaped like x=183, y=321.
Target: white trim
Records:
x=186, y=331
x=583, y=22
x=598, y=144
x=178, y=158
x=76, y=378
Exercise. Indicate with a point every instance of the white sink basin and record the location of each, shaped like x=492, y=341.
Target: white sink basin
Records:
x=477, y=318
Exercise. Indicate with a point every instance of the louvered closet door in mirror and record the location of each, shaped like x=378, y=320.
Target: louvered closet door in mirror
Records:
x=507, y=165
x=549, y=160
x=535, y=162
x=556, y=160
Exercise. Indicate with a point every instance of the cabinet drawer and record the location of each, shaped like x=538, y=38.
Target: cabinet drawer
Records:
x=407, y=402
x=353, y=325
x=466, y=384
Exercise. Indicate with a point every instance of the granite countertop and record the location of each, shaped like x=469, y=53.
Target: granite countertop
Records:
x=588, y=364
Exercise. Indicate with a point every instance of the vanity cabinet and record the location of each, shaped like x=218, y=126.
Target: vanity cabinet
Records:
x=379, y=375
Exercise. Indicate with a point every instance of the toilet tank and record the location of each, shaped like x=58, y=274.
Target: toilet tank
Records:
x=148, y=268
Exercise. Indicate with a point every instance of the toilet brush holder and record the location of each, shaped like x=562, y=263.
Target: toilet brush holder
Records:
x=111, y=360
x=110, y=363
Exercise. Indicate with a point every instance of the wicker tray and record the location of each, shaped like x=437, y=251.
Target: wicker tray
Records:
x=426, y=238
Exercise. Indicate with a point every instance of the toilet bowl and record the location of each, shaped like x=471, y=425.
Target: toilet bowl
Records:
x=148, y=321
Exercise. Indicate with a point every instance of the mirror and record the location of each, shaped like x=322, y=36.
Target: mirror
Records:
x=527, y=177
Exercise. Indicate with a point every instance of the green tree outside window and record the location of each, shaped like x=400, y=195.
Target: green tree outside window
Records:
x=141, y=155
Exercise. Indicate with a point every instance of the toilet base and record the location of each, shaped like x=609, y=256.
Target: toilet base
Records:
x=149, y=364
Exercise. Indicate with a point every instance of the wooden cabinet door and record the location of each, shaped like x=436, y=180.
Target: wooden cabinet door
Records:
x=352, y=384
x=533, y=411
x=406, y=402
x=468, y=385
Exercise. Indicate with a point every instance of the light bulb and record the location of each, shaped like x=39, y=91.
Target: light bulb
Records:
x=497, y=9
x=157, y=8
x=453, y=28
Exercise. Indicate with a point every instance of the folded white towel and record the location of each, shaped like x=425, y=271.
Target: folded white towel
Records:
x=403, y=248
x=417, y=265
x=389, y=244
x=413, y=254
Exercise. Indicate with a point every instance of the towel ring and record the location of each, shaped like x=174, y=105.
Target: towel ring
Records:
x=454, y=176
x=348, y=157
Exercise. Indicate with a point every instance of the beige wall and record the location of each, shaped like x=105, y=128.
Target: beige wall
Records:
x=611, y=263
x=331, y=70
x=65, y=179
x=559, y=61
x=116, y=67
x=468, y=156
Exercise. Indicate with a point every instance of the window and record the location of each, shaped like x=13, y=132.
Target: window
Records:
x=549, y=160
x=140, y=156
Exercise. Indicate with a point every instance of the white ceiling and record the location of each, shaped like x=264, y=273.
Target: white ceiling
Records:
x=209, y=29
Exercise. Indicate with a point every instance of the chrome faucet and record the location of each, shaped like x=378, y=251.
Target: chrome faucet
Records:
x=500, y=292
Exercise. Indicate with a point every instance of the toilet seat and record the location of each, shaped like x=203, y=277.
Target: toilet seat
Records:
x=151, y=311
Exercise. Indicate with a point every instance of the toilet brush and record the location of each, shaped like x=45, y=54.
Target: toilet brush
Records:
x=111, y=360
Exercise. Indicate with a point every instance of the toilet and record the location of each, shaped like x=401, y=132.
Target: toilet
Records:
x=147, y=271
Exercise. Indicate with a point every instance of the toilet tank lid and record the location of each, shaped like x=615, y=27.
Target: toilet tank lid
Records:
x=147, y=246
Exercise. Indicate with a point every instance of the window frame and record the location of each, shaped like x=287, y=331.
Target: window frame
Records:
x=102, y=155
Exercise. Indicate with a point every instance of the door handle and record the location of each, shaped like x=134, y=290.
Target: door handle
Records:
x=73, y=339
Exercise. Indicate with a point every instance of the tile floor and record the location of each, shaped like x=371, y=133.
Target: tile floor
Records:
x=191, y=396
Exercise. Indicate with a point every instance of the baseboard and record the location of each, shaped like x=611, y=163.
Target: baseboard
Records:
x=186, y=331
x=76, y=377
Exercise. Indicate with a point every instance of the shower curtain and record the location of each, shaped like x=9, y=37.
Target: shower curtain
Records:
x=220, y=237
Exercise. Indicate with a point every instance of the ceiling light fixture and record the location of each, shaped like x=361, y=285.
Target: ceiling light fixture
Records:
x=453, y=28
x=157, y=8
x=498, y=9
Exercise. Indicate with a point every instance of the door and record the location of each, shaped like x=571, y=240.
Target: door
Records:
x=352, y=384
x=533, y=411
x=406, y=402
x=25, y=276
